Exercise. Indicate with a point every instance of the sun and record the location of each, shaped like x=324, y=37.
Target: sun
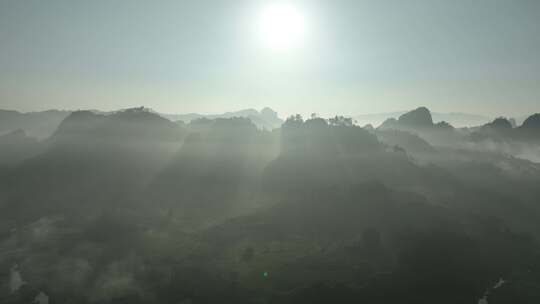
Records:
x=282, y=26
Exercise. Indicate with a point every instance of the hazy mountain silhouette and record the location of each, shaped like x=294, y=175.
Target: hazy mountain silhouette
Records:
x=531, y=127
x=500, y=124
x=264, y=119
x=43, y=124
x=419, y=118
x=458, y=120
x=316, y=153
x=420, y=122
x=104, y=159
x=136, y=124
x=498, y=130
x=502, y=130
x=35, y=124
x=130, y=207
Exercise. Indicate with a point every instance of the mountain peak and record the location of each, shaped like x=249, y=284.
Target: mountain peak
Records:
x=532, y=122
x=420, y=117
x=136, y=123
x=499, y=124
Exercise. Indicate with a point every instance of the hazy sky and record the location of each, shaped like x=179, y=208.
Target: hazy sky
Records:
x=478, y=56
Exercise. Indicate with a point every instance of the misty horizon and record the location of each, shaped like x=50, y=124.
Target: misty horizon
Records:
x=349, y=58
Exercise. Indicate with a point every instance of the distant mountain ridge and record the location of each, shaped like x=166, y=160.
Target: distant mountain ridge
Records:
x=35, y=124
x=454, y=118
x=43, y=124
x=502, y=129
x=264, y=119
x=419, y=119
x=132, y=124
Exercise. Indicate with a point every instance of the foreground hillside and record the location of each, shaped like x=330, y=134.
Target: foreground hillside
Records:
x=133, y=208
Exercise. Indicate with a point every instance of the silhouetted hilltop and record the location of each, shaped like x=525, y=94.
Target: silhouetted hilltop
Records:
x=420, y=122
x=419, y=118
x=498, y=125
x=136, y=124
x=78, y=125
x=318, y=152
x=456, y=119
x=265, y=119
x=529, y=131
x=502, y=130
x=499, y=129
x=532, y=122
x=35, y=124
x=43, y=124
x=333, y=136
x=115, y=155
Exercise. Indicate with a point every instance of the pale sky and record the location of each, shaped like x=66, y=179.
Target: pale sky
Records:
x=356, y=56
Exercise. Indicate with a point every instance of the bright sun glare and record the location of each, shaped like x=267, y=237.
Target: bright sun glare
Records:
x=282, y=26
